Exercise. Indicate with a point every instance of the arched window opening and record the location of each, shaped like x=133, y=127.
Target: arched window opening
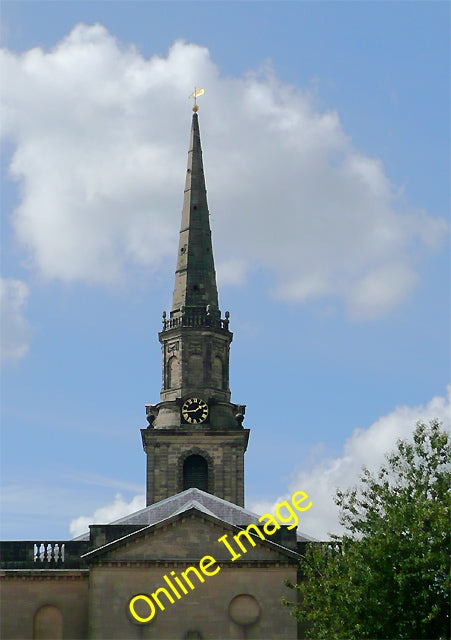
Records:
x=195, y=473
x=217, y=373
x=195, y=370
x=170, y=375
x=48, y=623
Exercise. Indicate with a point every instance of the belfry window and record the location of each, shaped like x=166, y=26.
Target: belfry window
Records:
x=171, y=372
x=217, y=374
x=195, y=473
x=195, y=370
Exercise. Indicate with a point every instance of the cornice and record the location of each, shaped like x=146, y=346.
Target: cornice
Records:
x=45, y=574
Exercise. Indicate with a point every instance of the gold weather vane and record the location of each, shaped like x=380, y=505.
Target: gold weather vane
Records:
x=196, y=94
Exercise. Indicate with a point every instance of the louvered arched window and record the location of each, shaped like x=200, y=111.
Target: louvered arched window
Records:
x=217, y=373
x=195, y=473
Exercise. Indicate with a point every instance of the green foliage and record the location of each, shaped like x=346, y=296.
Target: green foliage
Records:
x=388, y=575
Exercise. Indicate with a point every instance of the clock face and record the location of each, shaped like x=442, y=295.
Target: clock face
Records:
x=194, y=410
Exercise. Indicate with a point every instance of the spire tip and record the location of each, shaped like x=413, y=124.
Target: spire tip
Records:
x=194, y=96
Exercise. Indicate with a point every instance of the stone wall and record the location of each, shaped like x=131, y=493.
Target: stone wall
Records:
x=26, y=592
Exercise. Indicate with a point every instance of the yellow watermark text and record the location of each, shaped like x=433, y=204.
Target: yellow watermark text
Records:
x=143, y=607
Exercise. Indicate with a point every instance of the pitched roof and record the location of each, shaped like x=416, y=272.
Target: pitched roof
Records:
x=202, y=501
x=135, y=536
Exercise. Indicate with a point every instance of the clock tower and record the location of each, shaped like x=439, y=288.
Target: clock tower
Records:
x=195, y=436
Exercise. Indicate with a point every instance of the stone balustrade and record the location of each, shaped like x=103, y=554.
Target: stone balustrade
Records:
x=27, y=554
x=49, y=552
x=200, y=320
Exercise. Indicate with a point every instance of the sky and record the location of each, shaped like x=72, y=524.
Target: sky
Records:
x=325, y=133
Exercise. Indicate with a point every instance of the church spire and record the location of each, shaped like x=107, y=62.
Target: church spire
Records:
x=195, y=436
x=195, y=290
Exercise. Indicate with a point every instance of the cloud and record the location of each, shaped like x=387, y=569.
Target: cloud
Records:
x=231, y=271
x=100, y=140
x=110, y=512
x=30, y=504
x=366, y=447
x=15, y=330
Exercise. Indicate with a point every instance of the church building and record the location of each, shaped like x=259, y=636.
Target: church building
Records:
x=194, y=563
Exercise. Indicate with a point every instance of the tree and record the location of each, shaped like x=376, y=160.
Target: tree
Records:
x=387, y=576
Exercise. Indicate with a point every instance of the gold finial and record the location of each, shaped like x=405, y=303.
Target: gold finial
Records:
x=196, y=94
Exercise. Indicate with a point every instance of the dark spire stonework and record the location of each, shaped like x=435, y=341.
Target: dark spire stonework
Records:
x=195, y=278
x=195, y=339
x=195, y=431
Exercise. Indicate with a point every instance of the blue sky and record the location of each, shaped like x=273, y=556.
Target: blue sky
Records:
x=325, y=130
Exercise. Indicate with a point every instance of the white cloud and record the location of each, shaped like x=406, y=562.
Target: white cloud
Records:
x=110, y=512
x=231, y=271
x=100, y=137
x=15, y=331
x=365, y=447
